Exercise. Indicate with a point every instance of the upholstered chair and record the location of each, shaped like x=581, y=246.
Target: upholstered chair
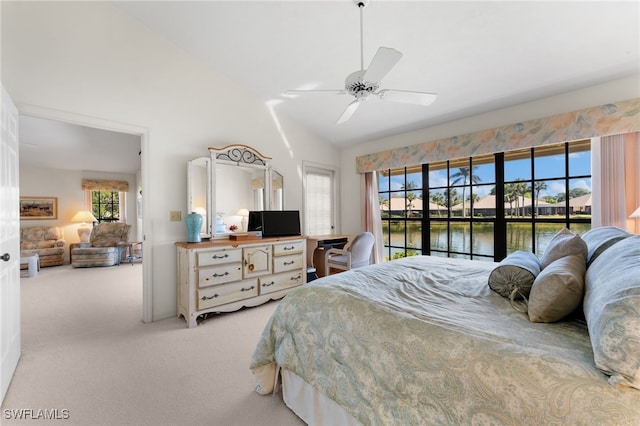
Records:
x=358, y=254
x=45, y=241
x=107, y=245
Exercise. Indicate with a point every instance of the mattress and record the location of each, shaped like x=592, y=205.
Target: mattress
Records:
x=424, y=340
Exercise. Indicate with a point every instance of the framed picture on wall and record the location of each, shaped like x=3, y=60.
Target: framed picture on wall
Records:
x=38, y=208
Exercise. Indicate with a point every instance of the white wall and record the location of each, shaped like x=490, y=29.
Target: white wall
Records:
x=66, y=185
x=617, y=90
x=90, y=59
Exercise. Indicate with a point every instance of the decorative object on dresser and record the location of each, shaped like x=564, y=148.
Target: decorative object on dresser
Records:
x=45, y=241
x=84, y=230
x=107, y=245
x=193, y=222
x=38, y=208
x=224, y=276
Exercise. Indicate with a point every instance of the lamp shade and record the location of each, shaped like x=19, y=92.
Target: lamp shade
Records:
x=83, y=216
x=84, y=230
x=636, y=214
x=243, y=212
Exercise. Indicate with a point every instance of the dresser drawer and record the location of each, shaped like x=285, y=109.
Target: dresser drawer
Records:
x=219, y=257
x=280, y=281
x=215, y=275
x=287, y=263
x=227, y=293
x=286, y=249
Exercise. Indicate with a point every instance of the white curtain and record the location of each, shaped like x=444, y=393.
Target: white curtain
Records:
x=371, y=213
x=616, y=181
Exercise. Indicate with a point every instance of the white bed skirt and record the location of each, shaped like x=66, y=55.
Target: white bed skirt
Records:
x=310, y=405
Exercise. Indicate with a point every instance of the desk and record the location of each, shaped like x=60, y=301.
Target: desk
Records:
x=316, y=246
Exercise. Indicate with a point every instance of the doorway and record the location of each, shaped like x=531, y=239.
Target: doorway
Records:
x=103, y=133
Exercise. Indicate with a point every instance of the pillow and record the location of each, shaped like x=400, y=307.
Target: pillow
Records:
x=558, y=290
x=612, y=310
x=514, y=275
x=600, y=239
x=563, y=244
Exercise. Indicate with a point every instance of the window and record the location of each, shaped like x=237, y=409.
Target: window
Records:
x=319, y=200
x=486, y=207
x=105, y=205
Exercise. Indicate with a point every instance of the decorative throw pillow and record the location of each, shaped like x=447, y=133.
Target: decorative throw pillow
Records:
x=612, y=311
x=514, y=275
x=562, y=244
x=557, y=291
x=600, y=239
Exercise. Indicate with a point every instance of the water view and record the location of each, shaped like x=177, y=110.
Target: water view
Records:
x=519, y=237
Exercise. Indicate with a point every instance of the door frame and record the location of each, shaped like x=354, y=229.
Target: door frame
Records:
x=143, y=133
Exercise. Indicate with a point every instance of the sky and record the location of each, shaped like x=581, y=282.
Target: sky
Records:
x=545, y=168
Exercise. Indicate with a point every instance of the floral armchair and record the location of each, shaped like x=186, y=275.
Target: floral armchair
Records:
x=107, y=245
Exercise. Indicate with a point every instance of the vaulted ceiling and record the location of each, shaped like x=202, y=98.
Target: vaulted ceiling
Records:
x=476, y=55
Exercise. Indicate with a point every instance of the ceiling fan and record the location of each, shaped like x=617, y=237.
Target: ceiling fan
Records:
x=365, y=83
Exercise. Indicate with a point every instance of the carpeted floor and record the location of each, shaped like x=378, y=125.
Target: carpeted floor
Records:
x=89, y=360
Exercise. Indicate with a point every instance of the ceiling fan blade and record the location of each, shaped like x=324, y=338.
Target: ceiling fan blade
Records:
x=384, y=60
x=297, y=92
x=407, y=97
x=351, y=108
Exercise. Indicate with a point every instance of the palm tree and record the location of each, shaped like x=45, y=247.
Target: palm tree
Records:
x=519, y=190
x=384, y=202
x=438, y=199
x=510, y=195
x=410, y=197
x=538, y=187
x=462, y=175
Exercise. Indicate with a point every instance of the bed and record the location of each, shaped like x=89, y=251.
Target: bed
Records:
x=425, y=340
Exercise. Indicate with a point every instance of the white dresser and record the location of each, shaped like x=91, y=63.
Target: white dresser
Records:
x=226, y=275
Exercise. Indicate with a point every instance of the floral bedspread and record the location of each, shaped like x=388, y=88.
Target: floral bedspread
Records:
x=423, y=340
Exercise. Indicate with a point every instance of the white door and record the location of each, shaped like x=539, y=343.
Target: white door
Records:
x=9, y=244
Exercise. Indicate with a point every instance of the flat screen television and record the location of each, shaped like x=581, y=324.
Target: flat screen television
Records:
x=275, y=223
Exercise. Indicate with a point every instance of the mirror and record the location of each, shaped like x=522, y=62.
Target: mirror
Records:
x=198, y=189
x=225, y=186
x=240, y=184
x=238, y=190
x=277, y=191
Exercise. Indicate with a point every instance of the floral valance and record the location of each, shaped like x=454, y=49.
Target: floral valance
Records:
x=604, y=120
x=105, y=185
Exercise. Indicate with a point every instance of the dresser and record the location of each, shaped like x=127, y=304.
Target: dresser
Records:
x=226, y=275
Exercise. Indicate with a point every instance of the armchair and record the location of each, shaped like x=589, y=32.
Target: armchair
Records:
x=358, y=254
x=107, y=244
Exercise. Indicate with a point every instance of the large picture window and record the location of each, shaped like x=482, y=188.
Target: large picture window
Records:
x=488, y=206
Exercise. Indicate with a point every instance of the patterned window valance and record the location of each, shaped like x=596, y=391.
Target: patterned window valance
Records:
x=604, y=120
x=105, y=185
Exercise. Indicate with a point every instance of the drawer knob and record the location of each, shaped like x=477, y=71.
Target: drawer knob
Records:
x=217, y=275
x=289, y=263
x=288, y=248
x=268, y=284
x=296, y=278
x=247, y=289
x=215, y=256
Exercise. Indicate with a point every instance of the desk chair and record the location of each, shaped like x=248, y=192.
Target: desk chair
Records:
x=358, y=254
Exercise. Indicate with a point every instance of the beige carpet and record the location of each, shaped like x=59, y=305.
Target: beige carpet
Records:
x=86, y=354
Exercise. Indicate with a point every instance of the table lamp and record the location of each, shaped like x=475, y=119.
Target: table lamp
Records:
x=244, y=213
x=84, y=230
